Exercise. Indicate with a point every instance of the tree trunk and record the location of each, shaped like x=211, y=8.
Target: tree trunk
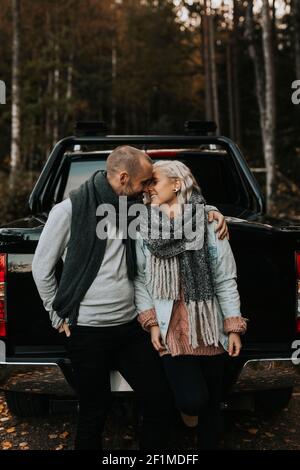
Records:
x=270, y=112
x=264, y=91
x=56, y=79
x=48, y=133
x=70, y=72
x=113, y=85
x=229, y=90
x=235, y=75
x=214, y=76
x=296, y=22
x=15, y=158
x=257, y=62
x=206, y=64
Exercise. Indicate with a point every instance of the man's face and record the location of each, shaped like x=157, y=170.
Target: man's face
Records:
x=134, y=186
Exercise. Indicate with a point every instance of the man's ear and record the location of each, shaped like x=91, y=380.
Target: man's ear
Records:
x=123, y=175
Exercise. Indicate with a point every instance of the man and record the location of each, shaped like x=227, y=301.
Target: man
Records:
x=94, y=302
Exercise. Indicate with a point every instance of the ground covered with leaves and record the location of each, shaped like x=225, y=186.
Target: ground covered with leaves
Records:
x=243, y=430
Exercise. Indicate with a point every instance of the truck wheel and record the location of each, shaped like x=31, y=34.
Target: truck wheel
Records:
x=272, y=400
x=27, y=404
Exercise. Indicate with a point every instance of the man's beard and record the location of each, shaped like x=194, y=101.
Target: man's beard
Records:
x=131, y=195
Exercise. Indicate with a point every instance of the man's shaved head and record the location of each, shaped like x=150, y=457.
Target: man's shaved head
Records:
x=126, y=158
x=129, y=171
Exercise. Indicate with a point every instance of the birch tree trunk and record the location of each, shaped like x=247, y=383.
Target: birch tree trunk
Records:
x=270, y=112
x=264, y=79
x=15, y=158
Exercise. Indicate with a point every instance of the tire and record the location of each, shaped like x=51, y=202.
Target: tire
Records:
x=272, y=400
x=27, y=404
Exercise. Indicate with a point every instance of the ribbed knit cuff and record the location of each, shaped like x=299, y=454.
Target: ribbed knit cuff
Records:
x=147, y=318
x=55, y=320
x=235, y=325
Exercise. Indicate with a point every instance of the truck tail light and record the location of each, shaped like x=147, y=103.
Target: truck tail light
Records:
x=2, y=294
x=298, y=291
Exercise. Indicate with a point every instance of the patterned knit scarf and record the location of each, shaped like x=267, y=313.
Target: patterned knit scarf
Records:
x=180, y=264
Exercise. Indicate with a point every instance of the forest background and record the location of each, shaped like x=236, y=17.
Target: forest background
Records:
x=145, y=67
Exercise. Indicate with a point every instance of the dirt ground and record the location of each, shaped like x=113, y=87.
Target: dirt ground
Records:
x=243, y=430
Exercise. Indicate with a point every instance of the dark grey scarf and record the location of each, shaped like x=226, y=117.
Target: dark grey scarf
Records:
x=85, y=250
x=177, y=263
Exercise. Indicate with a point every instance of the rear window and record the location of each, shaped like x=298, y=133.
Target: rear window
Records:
x=215, y=172
x=81, y=171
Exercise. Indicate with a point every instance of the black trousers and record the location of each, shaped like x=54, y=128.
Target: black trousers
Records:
x=94, y=352
x=197, y=385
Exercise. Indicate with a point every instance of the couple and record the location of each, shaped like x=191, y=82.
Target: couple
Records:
x=113, y=292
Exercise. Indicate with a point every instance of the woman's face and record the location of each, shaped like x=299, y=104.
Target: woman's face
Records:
x=162, y=188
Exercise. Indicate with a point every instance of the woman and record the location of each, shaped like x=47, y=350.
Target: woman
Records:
x=186, y=295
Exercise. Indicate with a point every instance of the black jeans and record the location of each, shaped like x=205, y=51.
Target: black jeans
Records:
x=94, y=352
x=197, y=385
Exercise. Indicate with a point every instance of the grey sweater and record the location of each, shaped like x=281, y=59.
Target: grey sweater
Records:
x=110, y=299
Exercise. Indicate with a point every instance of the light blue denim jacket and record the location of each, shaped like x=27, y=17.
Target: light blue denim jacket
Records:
x=224, y=273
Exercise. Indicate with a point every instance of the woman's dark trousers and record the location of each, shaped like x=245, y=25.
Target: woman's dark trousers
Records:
x=197, y=385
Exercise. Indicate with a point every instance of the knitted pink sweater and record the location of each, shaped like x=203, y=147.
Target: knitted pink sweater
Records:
x=177, y=335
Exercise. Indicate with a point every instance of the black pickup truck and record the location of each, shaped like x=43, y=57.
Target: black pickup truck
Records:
x=34, y=369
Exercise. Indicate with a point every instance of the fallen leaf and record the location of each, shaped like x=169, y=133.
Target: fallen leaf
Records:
x=4, y=419
x=23, y=444
x=6, y=445
x=52, y=436
x=60, y=447
x=269, y=434
x=10, y=430
x=1, y=408
x=63, y=435
x=252, y=431
x=24, y=433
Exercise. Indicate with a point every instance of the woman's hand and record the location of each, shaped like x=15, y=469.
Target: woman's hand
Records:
x=64, y=327
x=234, y=344
x=156, y=338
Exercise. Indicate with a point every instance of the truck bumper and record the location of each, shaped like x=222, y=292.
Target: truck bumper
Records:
x=48, y=378
x=267, y=374
x=45, y=378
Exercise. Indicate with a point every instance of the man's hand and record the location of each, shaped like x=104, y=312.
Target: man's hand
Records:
x=221, y=227
x=156, y=338
x=234, y=344
x=65, y=328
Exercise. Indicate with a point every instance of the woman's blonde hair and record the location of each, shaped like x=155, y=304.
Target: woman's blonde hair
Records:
x=178, y=170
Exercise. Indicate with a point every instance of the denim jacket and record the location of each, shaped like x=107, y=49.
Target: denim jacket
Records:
x=224, y=274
